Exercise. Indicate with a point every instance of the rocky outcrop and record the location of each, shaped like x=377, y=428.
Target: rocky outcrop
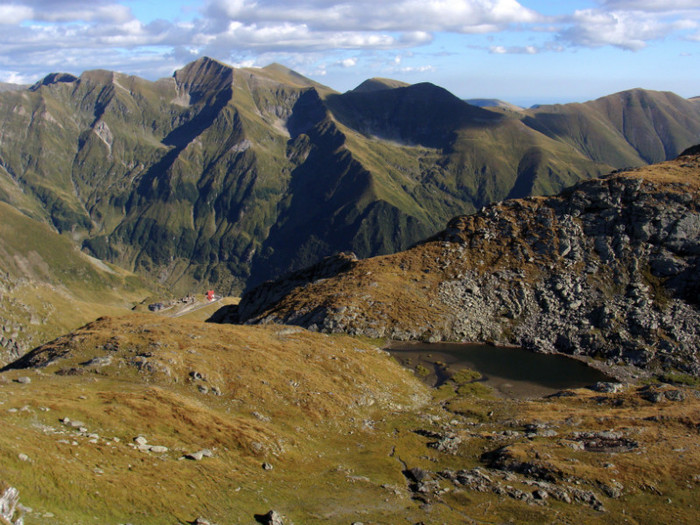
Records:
x=10, y=508
x=271, y=292
x=610, y=268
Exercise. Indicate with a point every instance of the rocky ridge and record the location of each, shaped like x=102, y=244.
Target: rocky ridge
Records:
x=610, y=268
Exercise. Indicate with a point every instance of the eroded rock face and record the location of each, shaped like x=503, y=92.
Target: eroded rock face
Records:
x=609, y=268
x=620, y=276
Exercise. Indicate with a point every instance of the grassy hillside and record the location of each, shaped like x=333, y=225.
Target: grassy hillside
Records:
x=630, y=128
x=324, y=430
x=305, y=404
x=49, y=287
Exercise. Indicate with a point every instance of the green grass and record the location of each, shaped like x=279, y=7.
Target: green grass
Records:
x=679, y=378
x=465, y=375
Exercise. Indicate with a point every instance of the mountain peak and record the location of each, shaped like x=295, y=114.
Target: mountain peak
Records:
x=203, y=75
x=493, y=103
x=379, y=84
x=202, y=67
x=283, y=74
x=54, y=78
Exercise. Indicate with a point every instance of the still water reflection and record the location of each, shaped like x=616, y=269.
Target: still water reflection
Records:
x=512, y=372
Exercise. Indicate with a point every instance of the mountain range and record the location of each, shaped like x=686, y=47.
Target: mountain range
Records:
x=227, y=177
x=544, y=228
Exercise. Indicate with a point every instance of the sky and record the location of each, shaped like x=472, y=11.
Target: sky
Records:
x=526, y=52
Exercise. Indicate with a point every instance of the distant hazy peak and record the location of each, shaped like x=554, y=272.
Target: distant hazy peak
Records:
x=642, y=96
x=8, y=86
x=492, y=103
x=379, y=84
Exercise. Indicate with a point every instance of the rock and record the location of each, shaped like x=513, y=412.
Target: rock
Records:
x=416, y=474
x=23, y=380
x=267, y=466
x=448, y=444
x=98, y=362
x=652, y=394
x=271, y=518
x=140, y=440
x=674, y=395
x=540, y=494
x=199, y=455
x=9, y=505
x=606, y=441
x=158, y=449
x=607, y=387
x=202, y=521
x=23, y=457
x=260, y=417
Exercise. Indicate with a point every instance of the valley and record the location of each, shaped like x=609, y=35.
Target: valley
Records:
x=449, y=312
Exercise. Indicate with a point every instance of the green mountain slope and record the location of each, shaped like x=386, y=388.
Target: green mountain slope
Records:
x=226, y=177
x=47, y=286
x=631, y=128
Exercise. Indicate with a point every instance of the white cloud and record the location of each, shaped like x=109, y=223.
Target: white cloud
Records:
x=623, y=29
x=73, y=35
x=462, y=16
x=651, y=5
x=15, y=14
x=514, y=50
x=417, y=69
x=13, y=77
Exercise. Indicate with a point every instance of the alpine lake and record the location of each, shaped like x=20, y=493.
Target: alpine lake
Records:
x=510, y=372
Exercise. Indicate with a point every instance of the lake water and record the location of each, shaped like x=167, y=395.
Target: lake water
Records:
x=512, y=372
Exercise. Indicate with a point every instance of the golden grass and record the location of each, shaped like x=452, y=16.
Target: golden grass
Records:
x=335, y=417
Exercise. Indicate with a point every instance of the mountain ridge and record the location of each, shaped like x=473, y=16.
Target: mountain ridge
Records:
x=200, y=179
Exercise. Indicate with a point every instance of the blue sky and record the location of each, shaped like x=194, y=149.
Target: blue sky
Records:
x=525, y=52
